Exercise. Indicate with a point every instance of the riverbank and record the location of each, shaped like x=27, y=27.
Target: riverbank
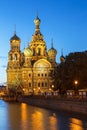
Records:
x=9, y=98
x=75, y=105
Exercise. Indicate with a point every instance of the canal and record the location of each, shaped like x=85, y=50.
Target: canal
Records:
x=20, y=116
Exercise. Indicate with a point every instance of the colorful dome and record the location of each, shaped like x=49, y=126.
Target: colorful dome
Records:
x=28, y=52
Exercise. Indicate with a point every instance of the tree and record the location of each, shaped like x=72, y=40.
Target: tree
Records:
x=73, y=68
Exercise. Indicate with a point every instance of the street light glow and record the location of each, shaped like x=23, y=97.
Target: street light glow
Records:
x=76, y=82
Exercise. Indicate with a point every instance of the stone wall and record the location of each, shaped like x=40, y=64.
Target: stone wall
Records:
x=63, y=104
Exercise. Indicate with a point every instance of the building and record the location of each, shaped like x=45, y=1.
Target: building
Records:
x=28, y=71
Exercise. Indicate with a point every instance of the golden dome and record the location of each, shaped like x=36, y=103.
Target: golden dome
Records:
x=28, y=52
x=37, y=21
x=62, y=58
x=15, y=37
x=52, y=52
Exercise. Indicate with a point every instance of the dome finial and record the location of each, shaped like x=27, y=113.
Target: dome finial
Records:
x=15, y=29
x=62, y=58
x=37, y=14
x=62, y=52
x=52, y=43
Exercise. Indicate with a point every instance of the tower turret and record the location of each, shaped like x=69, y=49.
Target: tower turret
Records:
x=62, y=58
x=14, y=54
x=52, y=53
x=15, y=42
x=38, y=45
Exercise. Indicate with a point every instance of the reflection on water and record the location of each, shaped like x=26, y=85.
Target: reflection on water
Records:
x=75, y=124
x=52, y=121
x=23, y=118
x=16, y=116
x=37, y=120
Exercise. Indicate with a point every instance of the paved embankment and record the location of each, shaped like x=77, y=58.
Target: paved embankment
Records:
x=57, y=103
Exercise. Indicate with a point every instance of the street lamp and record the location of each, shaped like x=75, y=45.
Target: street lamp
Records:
x=52, y=86
x=76, y=83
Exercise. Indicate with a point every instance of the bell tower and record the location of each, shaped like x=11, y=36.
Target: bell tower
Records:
x=14, y=61
x=38, y=45
x=14, y=55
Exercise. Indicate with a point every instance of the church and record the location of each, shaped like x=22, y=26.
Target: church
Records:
x=28, y=71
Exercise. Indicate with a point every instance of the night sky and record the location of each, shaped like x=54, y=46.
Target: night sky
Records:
x=64, y=21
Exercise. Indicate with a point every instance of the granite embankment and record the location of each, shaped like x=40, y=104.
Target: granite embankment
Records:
x=57, y=103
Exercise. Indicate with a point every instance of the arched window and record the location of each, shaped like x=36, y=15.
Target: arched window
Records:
x=29, y=84
x=42, y=84
x=45, y=84
x=39, y=51
x=38, y=84
x=33, y=51
x=15, y=57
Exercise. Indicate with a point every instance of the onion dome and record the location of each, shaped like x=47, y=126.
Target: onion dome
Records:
x=37, y=21
x=15, y=37
x=28, y=52
x=62, y=58
x=37, y=24
x=52, y=51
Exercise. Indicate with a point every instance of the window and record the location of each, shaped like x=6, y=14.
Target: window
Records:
x=29, y=75
x=42, y=84
x=29, y=84
x=39, y=51
x=33, y=51
x=38, y=84
x=38, y=75
x=45, y=75
x=15, y=57
x=45, y=84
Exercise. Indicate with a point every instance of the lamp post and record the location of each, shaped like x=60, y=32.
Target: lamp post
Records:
x=52, y=86
x=76, y=83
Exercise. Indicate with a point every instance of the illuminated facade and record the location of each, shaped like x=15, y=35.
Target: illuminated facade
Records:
x=29, y=70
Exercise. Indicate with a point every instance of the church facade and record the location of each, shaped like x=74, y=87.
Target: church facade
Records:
x=29, y=70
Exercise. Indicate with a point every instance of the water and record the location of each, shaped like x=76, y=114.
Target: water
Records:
x=20, y=116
